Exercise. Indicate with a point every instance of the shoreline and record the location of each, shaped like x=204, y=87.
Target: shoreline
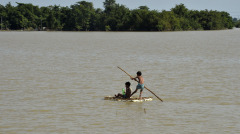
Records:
x=234, y=28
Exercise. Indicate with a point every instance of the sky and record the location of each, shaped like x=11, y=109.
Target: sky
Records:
x=230, y=6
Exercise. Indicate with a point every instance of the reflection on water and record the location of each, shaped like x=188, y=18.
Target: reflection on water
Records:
x=55, y=82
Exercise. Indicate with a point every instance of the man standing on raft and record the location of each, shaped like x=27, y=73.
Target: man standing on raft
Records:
x=140, y=85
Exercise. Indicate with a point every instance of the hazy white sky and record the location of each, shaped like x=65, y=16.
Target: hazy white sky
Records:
x=230, y=6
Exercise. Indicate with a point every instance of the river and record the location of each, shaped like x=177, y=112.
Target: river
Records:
x=55, y=82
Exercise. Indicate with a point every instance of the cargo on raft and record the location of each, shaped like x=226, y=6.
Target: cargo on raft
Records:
x=128, y=100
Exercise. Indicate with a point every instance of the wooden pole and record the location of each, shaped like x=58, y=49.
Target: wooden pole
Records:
x=144, y=86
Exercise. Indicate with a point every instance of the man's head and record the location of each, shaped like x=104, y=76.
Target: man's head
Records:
x=139, y=73
x=128, y=84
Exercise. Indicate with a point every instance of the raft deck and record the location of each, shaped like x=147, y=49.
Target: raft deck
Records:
x=128, y=100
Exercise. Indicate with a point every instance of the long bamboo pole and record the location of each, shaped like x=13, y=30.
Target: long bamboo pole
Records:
x=144, y=86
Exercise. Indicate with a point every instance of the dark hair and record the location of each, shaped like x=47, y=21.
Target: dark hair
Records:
x=139, y=73
x=128, y=83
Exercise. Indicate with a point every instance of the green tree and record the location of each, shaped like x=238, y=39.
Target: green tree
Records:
x=82, y=13
x=180, y=10
x=45, y=11
x=237, y=24
x=138, y=19
x=121, y=18
x=115, y=16
x=109, y=6
x=194, y=17
x=226, y=20
x=53, y=19
x=110, y=21
x=168, y=21
x=65, y=18
x=29, y=18
x=3, y=16
x=13, y=17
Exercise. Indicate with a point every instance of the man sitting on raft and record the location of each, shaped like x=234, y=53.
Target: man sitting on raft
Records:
x=127, y=93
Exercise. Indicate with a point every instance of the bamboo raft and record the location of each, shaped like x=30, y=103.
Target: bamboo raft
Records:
x=128, y=100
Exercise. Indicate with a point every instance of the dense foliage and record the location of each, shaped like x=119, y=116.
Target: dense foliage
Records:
x=236, y=22
x=82, y=16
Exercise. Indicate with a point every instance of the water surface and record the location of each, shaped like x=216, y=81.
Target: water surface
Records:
x=55, y=82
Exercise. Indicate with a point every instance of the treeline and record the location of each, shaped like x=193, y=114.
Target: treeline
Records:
x=82, y=16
